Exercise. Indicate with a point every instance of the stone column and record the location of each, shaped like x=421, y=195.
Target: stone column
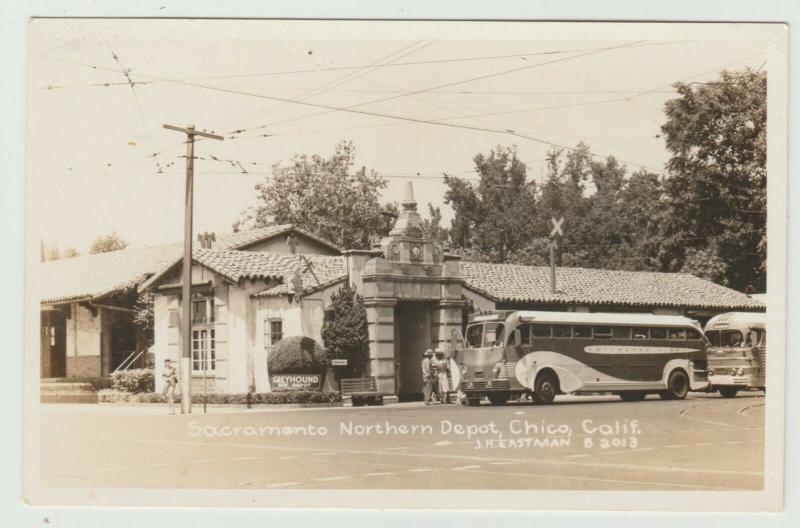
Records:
x=380, y=323
x=446, y=317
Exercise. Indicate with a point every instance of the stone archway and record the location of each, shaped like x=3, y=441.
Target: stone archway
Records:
x=412, y=291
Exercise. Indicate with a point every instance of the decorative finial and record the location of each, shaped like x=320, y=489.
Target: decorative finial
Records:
x=409, y=203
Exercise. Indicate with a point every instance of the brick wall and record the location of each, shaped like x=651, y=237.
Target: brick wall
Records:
x=83, y=366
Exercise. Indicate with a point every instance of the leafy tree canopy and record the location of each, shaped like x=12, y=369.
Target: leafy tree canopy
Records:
x=716, y=190
x=110, y=242
x=324, y=195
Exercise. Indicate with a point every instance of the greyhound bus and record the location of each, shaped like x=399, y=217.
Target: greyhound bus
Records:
x=737, y=354
x=509, y=354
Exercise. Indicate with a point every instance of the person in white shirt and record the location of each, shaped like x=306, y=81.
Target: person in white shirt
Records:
x=170, y=376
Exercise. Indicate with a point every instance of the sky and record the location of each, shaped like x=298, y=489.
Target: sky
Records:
x=416, y=99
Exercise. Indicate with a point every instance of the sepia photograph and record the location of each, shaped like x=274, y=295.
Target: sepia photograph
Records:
x=401, y=264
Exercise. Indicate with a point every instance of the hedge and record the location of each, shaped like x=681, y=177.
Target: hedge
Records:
x=296, y=397
x=133, y=381
x=297, y=355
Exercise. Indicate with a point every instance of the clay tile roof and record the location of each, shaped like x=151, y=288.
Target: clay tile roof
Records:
x=90, y=276
x=327, y=270
x=531, y=284
x=237, y=265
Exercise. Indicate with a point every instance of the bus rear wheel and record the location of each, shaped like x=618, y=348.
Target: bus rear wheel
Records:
x=498, y=398
x=677, y=385
x=728, y=392
x=545, y=388
x=632, y=396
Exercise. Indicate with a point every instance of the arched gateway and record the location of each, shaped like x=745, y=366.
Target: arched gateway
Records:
x=412, y=291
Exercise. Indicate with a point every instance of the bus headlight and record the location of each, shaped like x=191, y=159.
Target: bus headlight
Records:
x=733, y=372
x=496, y=370
x=740, y=372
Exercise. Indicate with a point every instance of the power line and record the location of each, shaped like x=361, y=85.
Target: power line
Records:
x=354, y=75
x=459, y=82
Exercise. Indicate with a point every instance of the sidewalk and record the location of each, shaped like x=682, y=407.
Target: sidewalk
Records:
x=155, y=409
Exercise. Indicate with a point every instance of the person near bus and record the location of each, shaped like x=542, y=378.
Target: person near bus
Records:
x=170, y=376
x=427, y=376
x=442, y=367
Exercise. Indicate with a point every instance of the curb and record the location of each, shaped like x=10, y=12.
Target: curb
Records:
x=229, y=405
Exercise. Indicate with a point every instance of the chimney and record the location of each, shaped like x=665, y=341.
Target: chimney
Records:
x=206, y=240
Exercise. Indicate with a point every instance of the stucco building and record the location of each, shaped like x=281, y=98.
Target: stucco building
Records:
x=251, y=289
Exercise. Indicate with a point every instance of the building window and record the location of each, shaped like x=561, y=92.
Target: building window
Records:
x=203, y=346
x=273, y=332
x=202, y=311
x=203, y=353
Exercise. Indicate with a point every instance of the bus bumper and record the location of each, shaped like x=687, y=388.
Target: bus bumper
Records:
x=717, y=380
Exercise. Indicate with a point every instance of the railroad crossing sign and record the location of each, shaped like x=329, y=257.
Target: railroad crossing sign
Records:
x=557, y=231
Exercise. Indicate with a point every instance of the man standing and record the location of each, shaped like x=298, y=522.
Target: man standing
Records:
x=170, y=376
x=427, y=376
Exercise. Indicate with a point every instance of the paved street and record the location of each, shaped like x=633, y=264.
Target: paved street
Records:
x=704, y=442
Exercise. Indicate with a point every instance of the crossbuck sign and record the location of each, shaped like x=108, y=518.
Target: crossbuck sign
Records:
x=557, y=231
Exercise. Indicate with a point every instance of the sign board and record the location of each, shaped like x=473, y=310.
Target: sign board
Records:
x=290, y=382
x=339, y=362
x=557, y=230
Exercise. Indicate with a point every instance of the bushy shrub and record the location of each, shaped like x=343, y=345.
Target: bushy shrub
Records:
x=297, y=355
x=275, y=398
x=344, y=332
x=133, y=381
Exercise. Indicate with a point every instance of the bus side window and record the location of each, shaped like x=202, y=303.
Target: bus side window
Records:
x=641, y=333
x=692, y=334
x=622, y=332
x=762, y=338
x=658, y=332
x=582, y=332
x=602, y=332
x=562, y=331
x=677, y=333
x=540, y=331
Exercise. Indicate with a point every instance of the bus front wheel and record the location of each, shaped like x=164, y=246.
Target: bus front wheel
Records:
x=728, y=392
x=498, y=398
x=545, y=388
x=677, y=385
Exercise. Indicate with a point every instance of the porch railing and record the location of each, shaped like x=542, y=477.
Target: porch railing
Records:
x=130, y=361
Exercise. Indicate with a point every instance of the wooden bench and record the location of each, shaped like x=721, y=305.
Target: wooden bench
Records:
x=361, y=391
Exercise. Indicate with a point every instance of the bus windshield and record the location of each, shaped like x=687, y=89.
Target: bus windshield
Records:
x=725, y=338
x=475, y=335
x=493, y=335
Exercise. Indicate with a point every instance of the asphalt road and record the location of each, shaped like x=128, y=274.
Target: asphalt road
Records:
x=584, y=443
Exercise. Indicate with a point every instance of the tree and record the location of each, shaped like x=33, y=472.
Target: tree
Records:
x=323, y=195
x=716, y=188
x=107, y=243
x=70, y=252
x=705, y=263
x=494, y=217
x=143, y=318
x=52, y=252
x=432, y=226
x=344, y=331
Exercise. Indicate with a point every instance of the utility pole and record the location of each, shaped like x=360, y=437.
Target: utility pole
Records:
x=186, y=301
x=555, y=235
